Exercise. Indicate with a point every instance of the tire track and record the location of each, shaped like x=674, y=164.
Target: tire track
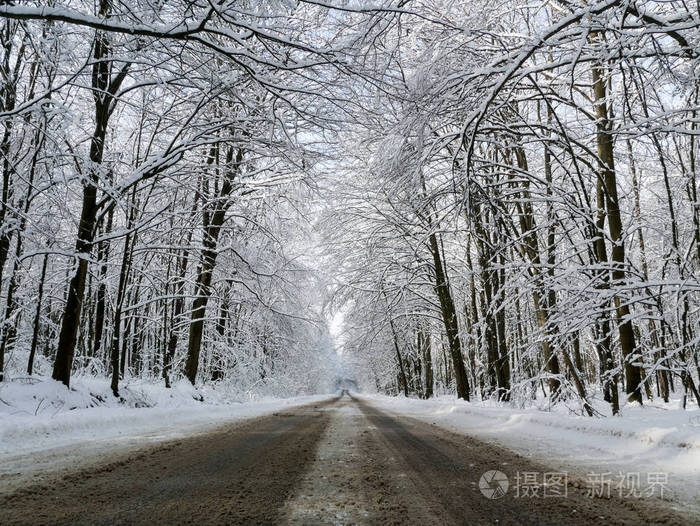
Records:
x=444, y=470
x=241, y=474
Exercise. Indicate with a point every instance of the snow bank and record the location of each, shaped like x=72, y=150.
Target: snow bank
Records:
x=650, y=425
x=46, y=427
x=653, y=438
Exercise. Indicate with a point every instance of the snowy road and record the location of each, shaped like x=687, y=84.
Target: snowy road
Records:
x=338, y=462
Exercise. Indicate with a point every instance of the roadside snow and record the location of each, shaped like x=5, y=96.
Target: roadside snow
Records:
x=46, y=428
x=651, y=439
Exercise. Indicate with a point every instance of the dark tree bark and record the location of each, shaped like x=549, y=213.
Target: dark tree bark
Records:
x=179, y=303
x=217, y=369
x=473, y=317
x=424, y=346
x=599, y=255
x=116, y=364
x=662, y=375
x=543, y=296
x=449, y=318
x=402, y=379
x=104, y=88
x=213, y=222
x=102, y=257
x=8, y=333
x=37, y=317
x=402, y=369
x=117, y=319
x=8, y=98
x=497, y=367
x=607, y=175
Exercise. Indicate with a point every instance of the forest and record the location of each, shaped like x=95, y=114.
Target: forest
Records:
x=493, y=200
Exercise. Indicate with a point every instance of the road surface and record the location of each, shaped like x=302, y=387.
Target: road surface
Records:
x=341, y=462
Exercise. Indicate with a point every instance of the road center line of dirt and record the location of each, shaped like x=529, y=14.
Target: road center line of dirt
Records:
x=331, y=491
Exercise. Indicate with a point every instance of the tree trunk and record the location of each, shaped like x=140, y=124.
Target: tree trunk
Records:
x=179, y=304
x=497, y=371
x=37, y=317
x=604, y=140
x=424, y=345
x=604, y=338
x=472, y=317
x=217, y=369
x=102, y=257
x=402, y=370
x=117, y=320
x=449, y=318
x=104, y=89
x=8, y=89
x=214, y=220
x=659, y=351
x=8, y=333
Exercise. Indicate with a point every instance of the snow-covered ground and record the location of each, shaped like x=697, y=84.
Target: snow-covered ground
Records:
x=659, y=438
x=47, y=428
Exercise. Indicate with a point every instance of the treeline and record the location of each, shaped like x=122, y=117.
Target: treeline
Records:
x=510, y=192
x=153, y=189
x=524, y=215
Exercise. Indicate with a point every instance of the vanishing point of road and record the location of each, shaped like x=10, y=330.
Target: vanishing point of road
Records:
x=341, y=462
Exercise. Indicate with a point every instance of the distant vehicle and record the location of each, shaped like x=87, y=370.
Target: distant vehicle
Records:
x=346, y=384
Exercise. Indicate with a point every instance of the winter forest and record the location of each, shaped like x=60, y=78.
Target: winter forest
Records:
x=493, y=200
